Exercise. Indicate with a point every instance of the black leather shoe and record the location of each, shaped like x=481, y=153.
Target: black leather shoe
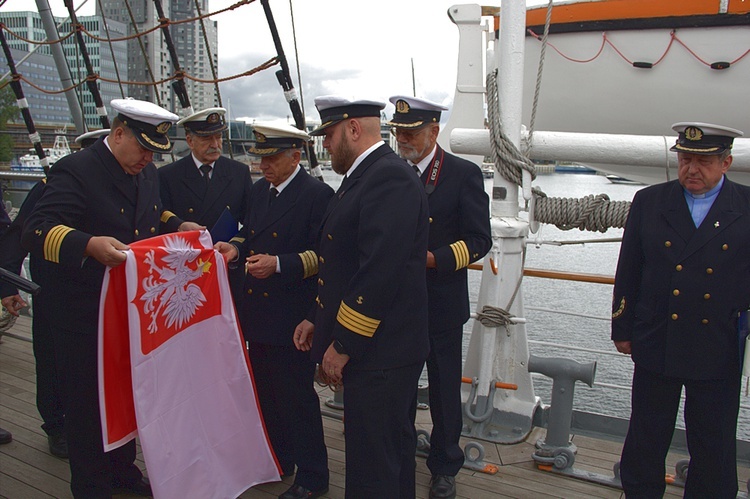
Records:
x=442, y=487
x=58, y=445
x=140, y=488
x=299, y=492
x=5, y=436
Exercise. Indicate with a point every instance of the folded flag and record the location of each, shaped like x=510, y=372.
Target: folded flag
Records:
x=174, y=371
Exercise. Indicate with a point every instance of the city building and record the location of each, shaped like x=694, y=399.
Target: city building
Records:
x=189, y=44
x=35, y=63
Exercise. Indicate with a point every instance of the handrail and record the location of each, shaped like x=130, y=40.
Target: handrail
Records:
x=557, y=274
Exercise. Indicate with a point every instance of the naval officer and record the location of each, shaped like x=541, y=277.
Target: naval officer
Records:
x=12, y=254
x=681, y=280
x=277, y=245
x=95, y=202
x=459, y=235
x=370, y=328
x=200, y=186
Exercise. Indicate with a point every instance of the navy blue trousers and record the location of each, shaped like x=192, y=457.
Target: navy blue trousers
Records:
x=379, y=410
x=48, y=396
x=711, y=409
x=444, y=376
x=291, y=411
x=93, y=472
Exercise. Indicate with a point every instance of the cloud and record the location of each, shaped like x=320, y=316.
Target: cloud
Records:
x=261, y=97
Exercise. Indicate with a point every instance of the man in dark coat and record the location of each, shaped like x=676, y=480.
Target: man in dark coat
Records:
x=370, y=328
x=95, y=202
x=682, y=278
x=277, y=247
x=12, y=254
x=200, y=186
x=459, y=235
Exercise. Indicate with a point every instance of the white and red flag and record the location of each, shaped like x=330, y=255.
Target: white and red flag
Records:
x=173, y=370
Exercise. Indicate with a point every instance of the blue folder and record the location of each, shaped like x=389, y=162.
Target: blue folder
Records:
x=225, y=227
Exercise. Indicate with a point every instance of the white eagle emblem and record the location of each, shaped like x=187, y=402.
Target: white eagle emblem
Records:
x=169, y=290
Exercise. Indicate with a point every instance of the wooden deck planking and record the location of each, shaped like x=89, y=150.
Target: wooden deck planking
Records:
x=27, y=470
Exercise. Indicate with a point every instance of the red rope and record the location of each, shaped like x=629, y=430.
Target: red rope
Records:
x=606, y=41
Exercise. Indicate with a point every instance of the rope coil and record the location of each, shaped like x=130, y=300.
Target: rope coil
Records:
x=494, y=317
x=593, y=213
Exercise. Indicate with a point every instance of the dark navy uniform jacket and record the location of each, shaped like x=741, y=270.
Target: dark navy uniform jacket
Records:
x=678, y=288
x=12, y=254
x=183, y=190
x=372, y=294
x=270, y=309
x=88, y=194
x=459, y=235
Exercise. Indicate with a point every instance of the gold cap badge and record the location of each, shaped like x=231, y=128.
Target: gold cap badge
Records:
x=693, y=133
x=402, y=106
x=163, y=127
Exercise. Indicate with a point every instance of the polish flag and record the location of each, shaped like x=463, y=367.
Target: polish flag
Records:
x=173, y=371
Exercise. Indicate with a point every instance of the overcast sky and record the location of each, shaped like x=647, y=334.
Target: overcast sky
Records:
x=346, y=47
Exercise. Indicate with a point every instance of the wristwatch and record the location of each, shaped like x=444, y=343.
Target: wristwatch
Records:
x=339, y=347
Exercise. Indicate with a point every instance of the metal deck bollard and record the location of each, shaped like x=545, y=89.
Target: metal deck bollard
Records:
x=556, y=449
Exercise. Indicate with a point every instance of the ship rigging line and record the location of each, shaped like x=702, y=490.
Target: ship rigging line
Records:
x=593, y=213
x=539, y=72
x=111, y=49
x=91, y=83
x=23, y=105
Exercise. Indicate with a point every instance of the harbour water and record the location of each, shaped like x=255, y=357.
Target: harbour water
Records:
x=590, y=329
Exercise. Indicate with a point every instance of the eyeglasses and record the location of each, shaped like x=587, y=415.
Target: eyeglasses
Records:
x=407, y=134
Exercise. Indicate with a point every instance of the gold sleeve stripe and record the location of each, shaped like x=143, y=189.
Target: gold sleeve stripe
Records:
x=461, y=254
x=356, y=322
x=309, y=263
x=617, y=313
x=239, y=240
x=166, y=215
x=53, y=241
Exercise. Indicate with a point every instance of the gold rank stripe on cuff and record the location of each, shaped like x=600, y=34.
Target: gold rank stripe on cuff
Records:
x=238, y=240
x=356, y=322
x=461, y=254
x=309, y=263
x=53, y=241
x=166, y=215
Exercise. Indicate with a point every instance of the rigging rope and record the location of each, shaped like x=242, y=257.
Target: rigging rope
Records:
x=507, y=158
x=538, y=87
x=269, y=63
x=594, y=213
x=111, y=49
x=143, y=52
x=494, y=317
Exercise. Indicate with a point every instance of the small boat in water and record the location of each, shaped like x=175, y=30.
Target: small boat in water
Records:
x=573, y=168
x=31, y=163
x=616, y=179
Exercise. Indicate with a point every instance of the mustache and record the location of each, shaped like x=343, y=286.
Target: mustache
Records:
x=213, y=150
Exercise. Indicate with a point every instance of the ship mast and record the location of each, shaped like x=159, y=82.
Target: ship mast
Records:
x=66, y=81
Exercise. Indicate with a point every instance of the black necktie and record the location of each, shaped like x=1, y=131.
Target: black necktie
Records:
x=272, y=193
x=416, y=169
x=206, y=170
